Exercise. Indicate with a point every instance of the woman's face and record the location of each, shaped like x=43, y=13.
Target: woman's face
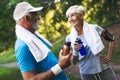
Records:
x=74, y=19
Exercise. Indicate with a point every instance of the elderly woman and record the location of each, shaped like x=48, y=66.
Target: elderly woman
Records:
x=93, y=65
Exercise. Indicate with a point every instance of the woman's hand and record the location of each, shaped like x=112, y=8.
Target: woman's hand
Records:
x=105, y=59
x=77, y=46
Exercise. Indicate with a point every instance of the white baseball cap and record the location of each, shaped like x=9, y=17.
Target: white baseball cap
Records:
x=22, y=9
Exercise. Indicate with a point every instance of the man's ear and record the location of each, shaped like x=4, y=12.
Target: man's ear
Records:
x=27, y=18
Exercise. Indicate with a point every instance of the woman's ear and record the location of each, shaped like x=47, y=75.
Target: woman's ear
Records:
x=82, y=14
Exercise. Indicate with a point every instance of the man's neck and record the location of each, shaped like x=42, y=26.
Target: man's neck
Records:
x=27, y=26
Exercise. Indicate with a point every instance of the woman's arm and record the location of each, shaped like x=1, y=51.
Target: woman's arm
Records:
x=110, y=38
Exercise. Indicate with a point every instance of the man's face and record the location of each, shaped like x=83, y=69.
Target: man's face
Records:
x=34, y=19
x=74, y=19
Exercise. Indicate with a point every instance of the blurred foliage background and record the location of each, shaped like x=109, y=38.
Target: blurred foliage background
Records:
x=53, y=24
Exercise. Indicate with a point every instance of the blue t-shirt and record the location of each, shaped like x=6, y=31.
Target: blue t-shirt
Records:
x=27, y=62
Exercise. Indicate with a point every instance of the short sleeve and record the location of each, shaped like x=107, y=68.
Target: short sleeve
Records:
x=99, y=29
x=25, y=59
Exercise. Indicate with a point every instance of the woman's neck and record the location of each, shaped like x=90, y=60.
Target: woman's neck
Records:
x=79, y=28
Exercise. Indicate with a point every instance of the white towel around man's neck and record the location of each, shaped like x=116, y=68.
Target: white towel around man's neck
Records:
x=38, y=50
x=91, y=35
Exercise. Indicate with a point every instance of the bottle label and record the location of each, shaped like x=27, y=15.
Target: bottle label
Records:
x=82, y=50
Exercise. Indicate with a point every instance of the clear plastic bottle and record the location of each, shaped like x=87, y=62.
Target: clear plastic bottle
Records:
x=82, y=50
x=66, y=48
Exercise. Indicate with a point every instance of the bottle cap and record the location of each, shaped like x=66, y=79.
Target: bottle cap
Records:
x=67, y=43
x=77, y=40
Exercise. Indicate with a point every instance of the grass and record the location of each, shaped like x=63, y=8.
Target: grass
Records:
x=71, y=77
x=10, y=74
x=117, y=71
x=116, y=55
x=14, y=74
x=7, y=56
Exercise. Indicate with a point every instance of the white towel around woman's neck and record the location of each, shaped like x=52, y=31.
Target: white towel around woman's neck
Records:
x=91, y=35
x=38, y=50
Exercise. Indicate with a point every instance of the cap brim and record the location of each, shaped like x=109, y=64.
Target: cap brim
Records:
x=35, y=9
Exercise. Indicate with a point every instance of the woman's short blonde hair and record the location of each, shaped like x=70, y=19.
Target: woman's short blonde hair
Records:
x=75, y=9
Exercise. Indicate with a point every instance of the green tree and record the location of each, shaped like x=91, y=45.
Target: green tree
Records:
x=101, y=12
x=53, y=19
x=6, y=25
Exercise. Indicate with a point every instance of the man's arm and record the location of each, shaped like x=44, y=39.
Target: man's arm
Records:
x=64, y=61
x=31, y=75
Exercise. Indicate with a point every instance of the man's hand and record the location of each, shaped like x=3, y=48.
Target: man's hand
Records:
x=64, y=61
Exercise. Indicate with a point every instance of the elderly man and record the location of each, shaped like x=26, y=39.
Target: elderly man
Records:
x=33, y=54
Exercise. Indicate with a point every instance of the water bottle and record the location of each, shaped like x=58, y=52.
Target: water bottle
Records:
x=66, y=48
x=82, y=50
